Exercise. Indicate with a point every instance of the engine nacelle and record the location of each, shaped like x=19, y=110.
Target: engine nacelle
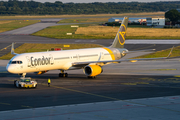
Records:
x=92, y=70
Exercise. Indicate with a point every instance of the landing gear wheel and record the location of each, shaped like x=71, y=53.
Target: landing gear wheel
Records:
x=66, y=75
x=60, y=75
x=15, y=83
x=63, y=75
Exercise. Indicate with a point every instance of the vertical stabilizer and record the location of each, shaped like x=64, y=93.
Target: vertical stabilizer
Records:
x=121, y=34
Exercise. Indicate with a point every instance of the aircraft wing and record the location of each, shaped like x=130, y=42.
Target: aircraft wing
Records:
x=120, y=60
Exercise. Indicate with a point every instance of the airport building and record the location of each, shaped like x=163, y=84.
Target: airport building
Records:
x=131, y=20
x=148, y=21
x=155, y=21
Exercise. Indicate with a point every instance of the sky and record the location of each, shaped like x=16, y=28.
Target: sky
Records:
x=90, y=1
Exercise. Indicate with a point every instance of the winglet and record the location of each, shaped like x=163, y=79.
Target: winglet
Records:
x=170, y=52
x=12, y=49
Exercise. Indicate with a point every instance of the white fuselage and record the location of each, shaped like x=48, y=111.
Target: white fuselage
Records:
x=62, y=60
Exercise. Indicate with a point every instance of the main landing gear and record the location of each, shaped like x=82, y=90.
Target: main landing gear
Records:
x=62, y=74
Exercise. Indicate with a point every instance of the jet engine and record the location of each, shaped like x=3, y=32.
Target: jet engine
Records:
x=92, y=70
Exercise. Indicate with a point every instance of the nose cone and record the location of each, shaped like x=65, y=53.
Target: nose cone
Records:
x=10, y=68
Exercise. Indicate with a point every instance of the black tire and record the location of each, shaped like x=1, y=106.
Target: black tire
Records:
x=66, y=75
x=63, y=75
x=15, y=83
x=60, y=75
x=19, y=86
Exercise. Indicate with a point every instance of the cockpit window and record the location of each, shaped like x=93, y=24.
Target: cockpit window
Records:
x=15, y=62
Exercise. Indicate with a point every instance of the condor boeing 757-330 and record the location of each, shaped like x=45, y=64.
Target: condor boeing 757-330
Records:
x=91, y=60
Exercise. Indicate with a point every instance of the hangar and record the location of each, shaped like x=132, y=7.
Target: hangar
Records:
x=155, y=21
x=131, y=20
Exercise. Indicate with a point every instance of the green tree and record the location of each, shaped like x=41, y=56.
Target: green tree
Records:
x=22, y=7
x=173, y=15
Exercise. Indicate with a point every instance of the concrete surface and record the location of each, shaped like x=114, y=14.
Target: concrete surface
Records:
x=165, y=108
x=152, y=42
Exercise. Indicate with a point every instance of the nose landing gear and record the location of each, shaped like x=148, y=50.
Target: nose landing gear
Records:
x=22, y=74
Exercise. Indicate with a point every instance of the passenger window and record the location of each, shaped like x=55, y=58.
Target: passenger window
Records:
x=13, y=62
x=20, y=62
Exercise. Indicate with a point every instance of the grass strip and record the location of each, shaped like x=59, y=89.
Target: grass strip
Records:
x=33, y=47
x=84, y=20
x=14, y=24
x=94, y=31
x=60, y=32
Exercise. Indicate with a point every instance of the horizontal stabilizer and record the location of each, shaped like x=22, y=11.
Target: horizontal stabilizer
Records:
x=140, y=51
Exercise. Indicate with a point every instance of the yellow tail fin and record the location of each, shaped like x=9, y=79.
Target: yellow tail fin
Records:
x=121, y=35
